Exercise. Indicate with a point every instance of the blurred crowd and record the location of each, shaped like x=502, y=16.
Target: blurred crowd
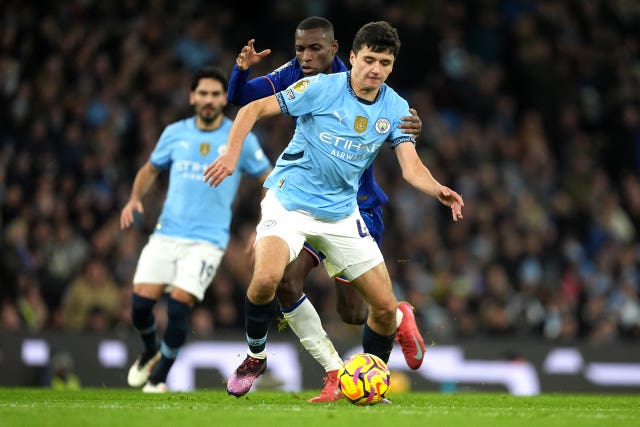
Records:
x=530, y=109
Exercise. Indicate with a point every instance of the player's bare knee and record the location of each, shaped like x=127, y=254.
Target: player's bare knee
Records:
x=262, y=289
x=266, y=279
x=260, y=295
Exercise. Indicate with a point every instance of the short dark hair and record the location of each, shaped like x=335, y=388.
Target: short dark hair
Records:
x=313, y=22
x=209, y=73
x=379, y=37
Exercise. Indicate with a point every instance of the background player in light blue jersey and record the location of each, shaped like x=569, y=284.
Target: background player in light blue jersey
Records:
x=192, y=231
x=316, y=49
x=343, y=121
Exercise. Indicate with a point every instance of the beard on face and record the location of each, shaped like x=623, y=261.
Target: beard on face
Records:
x=208, y=115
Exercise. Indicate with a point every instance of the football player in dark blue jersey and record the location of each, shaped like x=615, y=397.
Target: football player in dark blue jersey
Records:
x=316, y=49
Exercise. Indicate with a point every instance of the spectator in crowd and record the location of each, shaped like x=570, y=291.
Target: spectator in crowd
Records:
x=91, y=294
x=61, y=371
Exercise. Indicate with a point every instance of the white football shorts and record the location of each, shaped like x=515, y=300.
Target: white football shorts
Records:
x=186, y=264
x=347, y=245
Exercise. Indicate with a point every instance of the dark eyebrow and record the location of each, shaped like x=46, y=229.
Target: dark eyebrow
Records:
x=213, y=92
x=313, y=45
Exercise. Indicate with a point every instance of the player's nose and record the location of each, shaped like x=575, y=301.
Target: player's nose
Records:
x=307, y=55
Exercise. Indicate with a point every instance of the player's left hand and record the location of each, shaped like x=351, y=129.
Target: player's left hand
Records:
x=249, y=57
x=411, y=125
x=450, y=198
x=129, y=212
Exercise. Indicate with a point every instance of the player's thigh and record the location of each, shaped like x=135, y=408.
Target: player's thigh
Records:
x=375, y=287
x=196, y=267
x=271, y=259
x=299, y=268
x=277, y=221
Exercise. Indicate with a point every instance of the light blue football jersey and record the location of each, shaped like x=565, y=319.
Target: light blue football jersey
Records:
x=337, y=136
x=192, y=209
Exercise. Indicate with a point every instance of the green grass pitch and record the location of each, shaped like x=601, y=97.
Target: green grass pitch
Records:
x=126, y=407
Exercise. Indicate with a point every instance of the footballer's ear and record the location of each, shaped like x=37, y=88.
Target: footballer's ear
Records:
x=352, y=57
x=192, y=97
x=335, y=46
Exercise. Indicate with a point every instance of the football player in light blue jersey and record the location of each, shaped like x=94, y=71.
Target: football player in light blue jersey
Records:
x=333, y=143
x=343, y=121
x=192, y=232
x=316, y=49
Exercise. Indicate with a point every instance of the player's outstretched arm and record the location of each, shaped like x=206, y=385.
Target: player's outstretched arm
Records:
x=418, y=175
x=145, y=177
x=241, y=90
x=247, y=117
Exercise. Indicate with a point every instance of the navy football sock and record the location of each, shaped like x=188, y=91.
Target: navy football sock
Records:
x=144, y=321
x=174, y=338
x=161, y=370
x=257, y=320
x=374, y=343
x=177, y=323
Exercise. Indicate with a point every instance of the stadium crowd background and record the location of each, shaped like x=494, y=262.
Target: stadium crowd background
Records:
x=531, y=110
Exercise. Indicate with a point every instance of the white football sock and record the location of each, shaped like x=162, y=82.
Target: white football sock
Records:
x=399, y=316
x=261, y=355
x=305, y=323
